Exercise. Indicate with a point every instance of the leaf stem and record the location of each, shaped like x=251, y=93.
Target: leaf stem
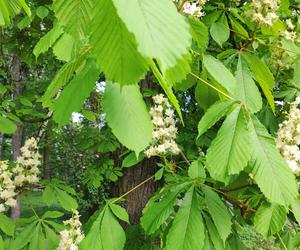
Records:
x=213, y=87
x=133, y=189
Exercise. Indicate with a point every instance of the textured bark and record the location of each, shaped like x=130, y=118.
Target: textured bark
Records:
x=17, y=137
x=1, y=145
x=136, y=200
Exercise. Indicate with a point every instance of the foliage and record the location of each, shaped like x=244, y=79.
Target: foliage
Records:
x=228, y=68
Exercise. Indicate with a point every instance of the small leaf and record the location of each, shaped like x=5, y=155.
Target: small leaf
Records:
x=196, y=170
x=7, y=126
x=52, y=215
x=66, y=200
x=42, y=12
x=212, y=115
x=220, y=73
x=7, y=225
x=49, y=196
x=218, y=212
x=120, y=212
x=219, y=32
x=199, y=32
x=131, y=160
x=270, y=219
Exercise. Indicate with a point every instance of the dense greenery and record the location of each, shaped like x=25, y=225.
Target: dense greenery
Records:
x=199, y=97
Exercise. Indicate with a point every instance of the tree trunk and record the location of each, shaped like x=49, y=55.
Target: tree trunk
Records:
x=17, y=137
x=1, y=145
x=46, y=156
x=136, y=200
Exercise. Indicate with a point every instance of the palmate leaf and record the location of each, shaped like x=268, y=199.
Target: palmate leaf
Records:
x=246, y=90
x=229, y=152
x=219, y=213
x=187, y=230
x=114, y=47
x=75, y=16
x=270, y=218
x=269, y=169
x=74, y=94
x=156, y=25
x=127, y=115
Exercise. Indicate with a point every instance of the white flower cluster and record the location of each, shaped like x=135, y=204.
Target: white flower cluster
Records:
x=27, y=170
x=70, y=239
x=290, y=33
x=164, y=132
x=194, y=8
x=264, y=11
x=288, y=137
x=7, y=187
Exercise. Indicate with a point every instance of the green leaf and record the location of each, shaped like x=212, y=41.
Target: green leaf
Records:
x=187, y=230
x=205, y=95
x=156, y=213
x=7, y=225
x=214, y=235
x=199, y=32
x=48, y=196
x=238, y=28
x=7, y=126
x=24, y=237
x=66, y=200
x=52, y=215
x=270, y=218
x=114, y=47
x=220, y=73
x=296, y=209
x=74, y=94
x=154, y=35
x=75, y=16
x=127, y=116
x=131, y=160
x=196, y=170
x=212, y=115
x=105, y=233
x=47, y=40
x=219, y=32
x=269, y=169
x=246, y=90
x=219, y=213
x=120, y=212
x=262, y=75
x=42, y=12
x=63, y=47
x=1, y=243
x=229, y=152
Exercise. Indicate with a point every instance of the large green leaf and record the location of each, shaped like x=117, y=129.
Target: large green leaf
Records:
x=270, y=218
x=220, y=73
x=229, y=152
x=187, y=230
x=10, y=8
x=7, y=126
x=219, y=213
x=246, y=90
x=212, y=115
x=262, y=75
x=74, y=94
x=127, y=115
x=161, y=32
x=213, y=234
x=75, y=16
x=269, y=169
x=296, y=209
x=114, y=47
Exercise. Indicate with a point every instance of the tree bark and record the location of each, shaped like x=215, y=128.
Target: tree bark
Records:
x=17, y=137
